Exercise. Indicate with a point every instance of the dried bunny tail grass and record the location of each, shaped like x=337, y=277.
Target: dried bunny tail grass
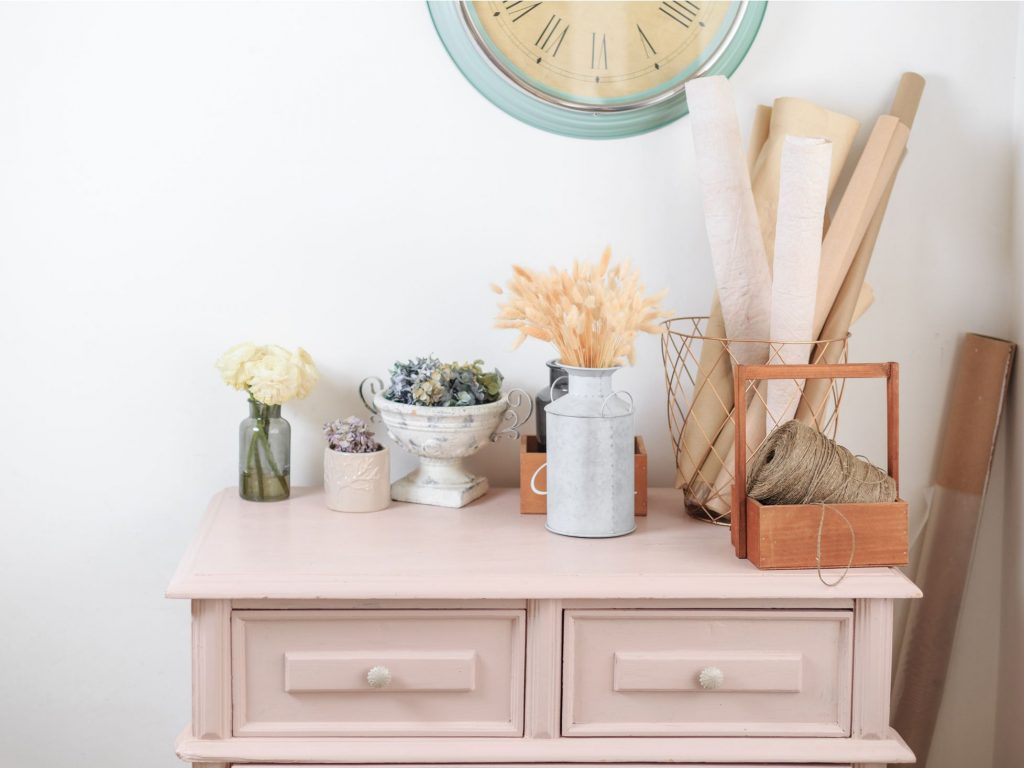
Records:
x=522, y=272
x=591, y=313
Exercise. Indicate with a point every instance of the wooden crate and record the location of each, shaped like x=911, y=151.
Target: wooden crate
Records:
x=531, y=458
x=786, y=536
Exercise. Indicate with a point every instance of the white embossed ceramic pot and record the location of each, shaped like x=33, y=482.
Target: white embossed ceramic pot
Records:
x=442, y=436
x=357, y=482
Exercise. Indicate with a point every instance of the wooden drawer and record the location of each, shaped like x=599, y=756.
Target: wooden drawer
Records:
x=444, y=672
x=638, y=673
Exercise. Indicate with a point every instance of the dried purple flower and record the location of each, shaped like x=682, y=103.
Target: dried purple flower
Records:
x=350, y=435
x=428, y=381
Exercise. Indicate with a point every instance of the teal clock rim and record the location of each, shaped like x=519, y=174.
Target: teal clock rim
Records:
x=518, y=103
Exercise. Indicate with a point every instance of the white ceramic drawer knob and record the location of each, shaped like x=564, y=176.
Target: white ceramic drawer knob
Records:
x=379, y=677
x=711, y=678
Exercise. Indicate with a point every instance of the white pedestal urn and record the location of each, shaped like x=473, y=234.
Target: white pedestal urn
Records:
x=442, y=436
x=357, y=482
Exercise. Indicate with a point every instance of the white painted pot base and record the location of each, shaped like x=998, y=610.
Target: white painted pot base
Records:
x=410, y=489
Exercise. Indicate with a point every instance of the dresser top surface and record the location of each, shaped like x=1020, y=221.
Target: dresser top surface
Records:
x=298, y=549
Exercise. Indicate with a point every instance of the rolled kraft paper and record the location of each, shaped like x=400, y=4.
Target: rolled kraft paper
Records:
x=865, y=299
x=737, y=250
x=708, y=412
x=758, y=136
x=802, y=196
x=711, y=401
x=848, y=304
x=788, y=116
x=875, y=169
x=847, y=307
x=795, y=117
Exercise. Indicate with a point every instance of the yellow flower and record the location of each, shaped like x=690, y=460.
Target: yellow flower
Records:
x=308, y=376
x=233, y=364
x=271, y=374
x=274, y=377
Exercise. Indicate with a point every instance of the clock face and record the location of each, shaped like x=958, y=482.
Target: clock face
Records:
x=594, y=69
x=604, y=55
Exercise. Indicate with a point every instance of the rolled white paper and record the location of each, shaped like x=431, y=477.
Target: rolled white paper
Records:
x=803, y=191
x=737, y=248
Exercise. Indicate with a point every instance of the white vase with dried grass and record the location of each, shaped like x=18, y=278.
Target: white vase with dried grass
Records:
x=592, y=315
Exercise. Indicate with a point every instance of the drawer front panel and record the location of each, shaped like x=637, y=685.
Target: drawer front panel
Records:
x=378, y=673
x=707, y=673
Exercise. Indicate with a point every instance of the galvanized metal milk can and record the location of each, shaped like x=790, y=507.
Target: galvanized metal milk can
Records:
x=590, y=438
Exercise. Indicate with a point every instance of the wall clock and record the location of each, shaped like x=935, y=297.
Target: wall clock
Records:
x=594, y=69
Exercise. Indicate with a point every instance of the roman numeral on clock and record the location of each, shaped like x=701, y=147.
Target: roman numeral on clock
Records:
x=598, y=53
x=682, y=13
x=552, y=35
x=519, y=9
x=648, y=48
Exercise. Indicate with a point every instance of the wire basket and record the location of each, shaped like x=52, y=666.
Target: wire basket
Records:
x=701, y=395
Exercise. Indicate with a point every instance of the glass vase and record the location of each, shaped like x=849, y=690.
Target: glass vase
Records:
x=264, y=454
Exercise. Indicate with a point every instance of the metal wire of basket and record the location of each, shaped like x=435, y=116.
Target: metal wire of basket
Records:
x=699, y=367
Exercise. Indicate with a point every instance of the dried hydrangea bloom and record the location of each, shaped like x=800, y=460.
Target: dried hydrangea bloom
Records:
x=350, y=435
x=428, y=381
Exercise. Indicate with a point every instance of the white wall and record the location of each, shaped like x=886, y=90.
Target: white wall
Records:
x=1009, y=744
x=178, y=177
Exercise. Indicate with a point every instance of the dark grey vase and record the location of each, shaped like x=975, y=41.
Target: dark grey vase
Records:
x=557, y=377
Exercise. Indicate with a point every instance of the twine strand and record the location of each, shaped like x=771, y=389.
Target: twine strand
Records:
x=817, y=551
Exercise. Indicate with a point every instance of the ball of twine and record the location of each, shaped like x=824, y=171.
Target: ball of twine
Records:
x=799, y=465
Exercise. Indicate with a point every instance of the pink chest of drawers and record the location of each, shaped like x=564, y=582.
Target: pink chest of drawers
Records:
x=438, y=636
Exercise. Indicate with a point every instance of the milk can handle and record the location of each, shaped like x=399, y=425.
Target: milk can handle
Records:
x=551, y=389
x=533, y=481
x=613, y=394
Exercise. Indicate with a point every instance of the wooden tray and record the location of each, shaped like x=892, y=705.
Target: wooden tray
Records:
x=531, y=458
x=786, y=536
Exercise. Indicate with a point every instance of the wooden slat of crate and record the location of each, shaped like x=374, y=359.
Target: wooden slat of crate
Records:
x=786, y=536
x=531, y=458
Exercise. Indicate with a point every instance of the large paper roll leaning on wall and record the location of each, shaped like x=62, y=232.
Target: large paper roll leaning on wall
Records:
x=802, y=196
